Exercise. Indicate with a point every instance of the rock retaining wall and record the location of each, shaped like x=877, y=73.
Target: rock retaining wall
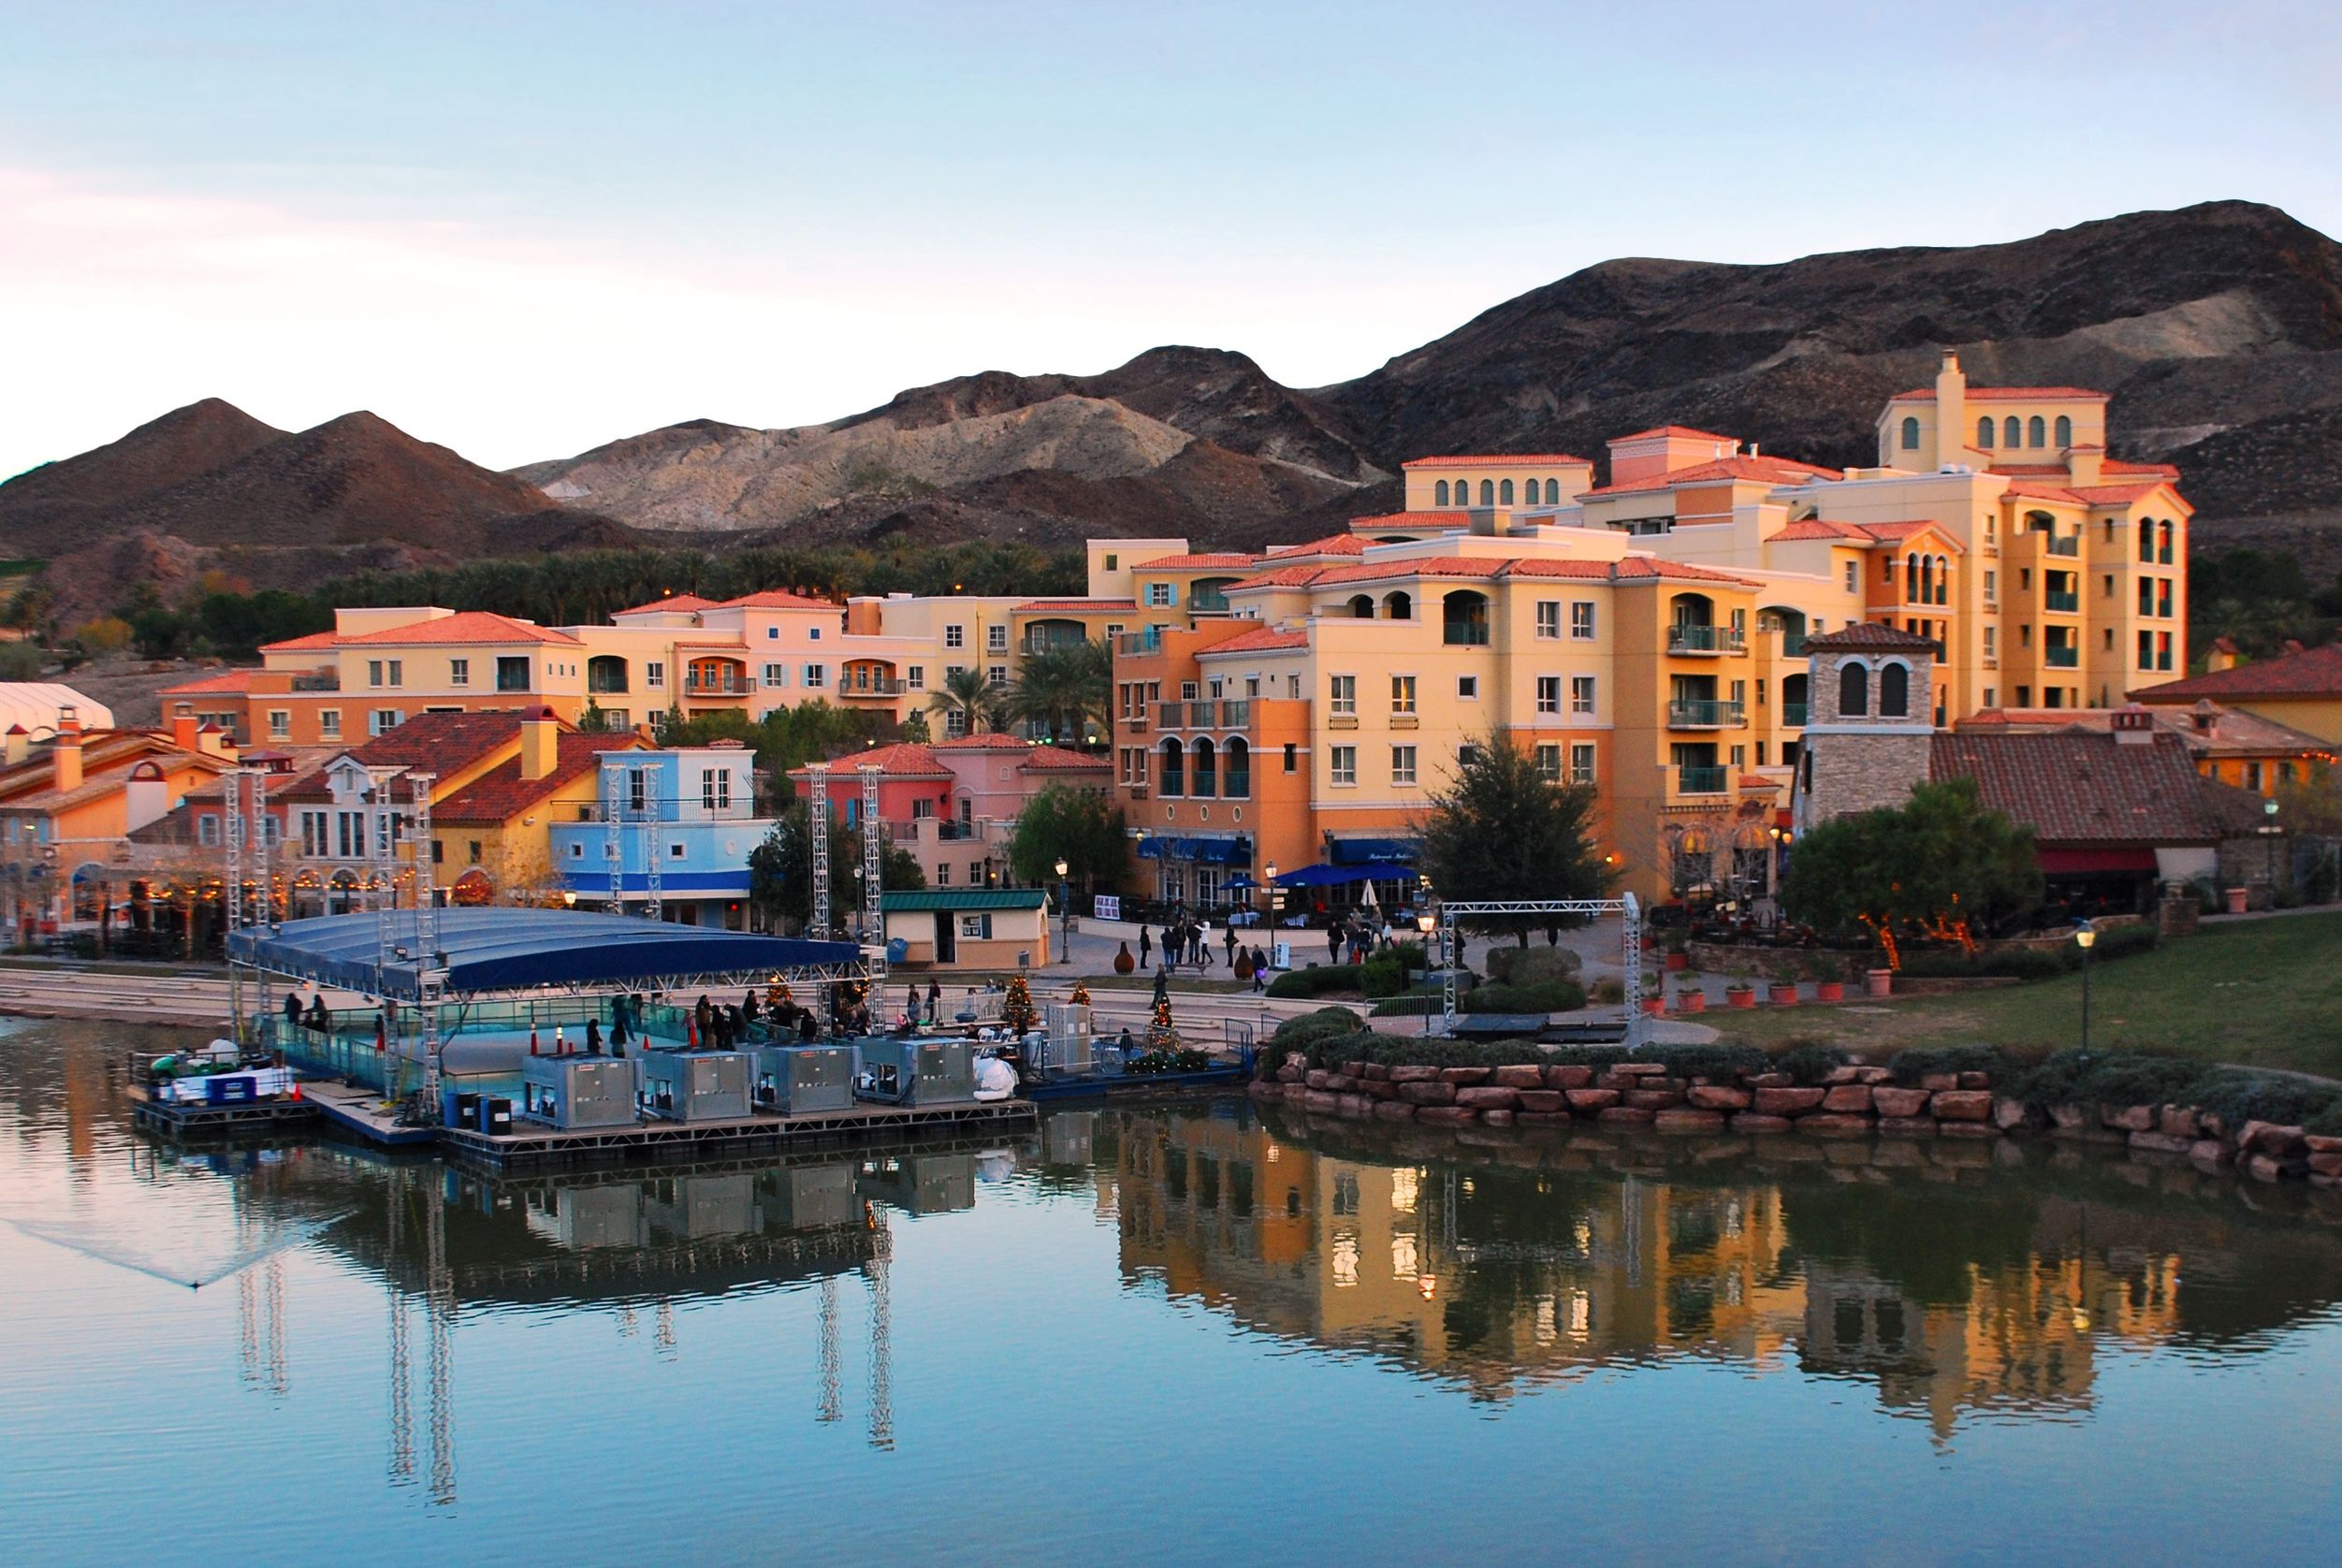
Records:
x=1851, y=1102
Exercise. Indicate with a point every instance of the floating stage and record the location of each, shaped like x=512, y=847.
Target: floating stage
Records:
x=194, y=1121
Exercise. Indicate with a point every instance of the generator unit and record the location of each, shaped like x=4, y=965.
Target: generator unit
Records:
x=916, y=1071
x=695, y=1085
x=573, y=1092
x=795, y=1079
x=701, y=1206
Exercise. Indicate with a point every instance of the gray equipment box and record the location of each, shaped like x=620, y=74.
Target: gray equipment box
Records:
x=924, y=1184
x=580, y=1218
x=803, y=1197
x=695, y=1085
x=702, y=1206
x=795, y=1079
x=578, y=1091
x=917, y=1071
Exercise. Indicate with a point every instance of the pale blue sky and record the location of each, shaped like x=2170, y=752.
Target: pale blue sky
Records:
x=522, y=229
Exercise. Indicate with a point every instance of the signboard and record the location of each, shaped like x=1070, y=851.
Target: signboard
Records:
x=1106, y=906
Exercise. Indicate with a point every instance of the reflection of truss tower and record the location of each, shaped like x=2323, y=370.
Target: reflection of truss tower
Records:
x=439, y=1315
x=881, y=1338
x=828, y=1410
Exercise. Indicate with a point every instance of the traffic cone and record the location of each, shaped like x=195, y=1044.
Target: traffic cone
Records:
x=532, y=1041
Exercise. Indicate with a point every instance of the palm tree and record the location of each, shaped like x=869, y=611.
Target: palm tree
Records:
x=1065, y=687
x=970, y=705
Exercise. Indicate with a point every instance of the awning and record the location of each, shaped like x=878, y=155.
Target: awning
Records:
x=1205, y=851
x=2095, y=863
x=1334, y=876
x=1358, y=852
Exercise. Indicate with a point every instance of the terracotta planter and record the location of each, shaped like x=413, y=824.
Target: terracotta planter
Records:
x=1678, y=959
x=1746, y=999
x=1829, y=991
x=1691, y=1001
x=1124, y=963
x=1655, y=1007
x=2236, y=898
x=1784, y=993
x=1878, y=982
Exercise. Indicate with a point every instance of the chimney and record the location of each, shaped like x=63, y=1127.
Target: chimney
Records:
x=2133, y=726
x=2205, y=715
x=19, y=744
x=1952, y=433
x=211, y=740
x=540, y=743
x=2223, y=655
x=183, y=728
x=64, y=752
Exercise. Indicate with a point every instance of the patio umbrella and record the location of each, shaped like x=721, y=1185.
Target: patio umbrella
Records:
x=1368, y=902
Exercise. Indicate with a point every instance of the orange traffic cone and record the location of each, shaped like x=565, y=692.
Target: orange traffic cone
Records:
x=532, y=1041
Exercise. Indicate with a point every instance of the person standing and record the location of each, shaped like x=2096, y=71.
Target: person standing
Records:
x=1259, y=970
x=1230, y=943
x=1147, y=947
x=935, y=1002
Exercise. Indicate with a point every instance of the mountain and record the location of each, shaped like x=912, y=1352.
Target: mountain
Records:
x=60, y=503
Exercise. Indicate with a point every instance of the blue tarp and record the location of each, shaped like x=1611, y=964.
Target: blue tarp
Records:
x=1359, y=851
x=1333, y=876
x=514, y=949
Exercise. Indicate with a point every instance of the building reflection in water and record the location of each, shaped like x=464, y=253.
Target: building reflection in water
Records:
x=1953, y=1284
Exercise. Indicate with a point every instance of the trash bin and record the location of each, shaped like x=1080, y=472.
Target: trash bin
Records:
x=496, y=1116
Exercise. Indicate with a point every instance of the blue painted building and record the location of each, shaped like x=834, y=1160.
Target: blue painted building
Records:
x=694, y=809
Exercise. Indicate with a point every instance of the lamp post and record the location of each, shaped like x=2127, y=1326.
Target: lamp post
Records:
x=1268, y=896
x=2269, y=832
x=1427, y=922
x=860, y=935
x=2086, y=937
x=1065, y=913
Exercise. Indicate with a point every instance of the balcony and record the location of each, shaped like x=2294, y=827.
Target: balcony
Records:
x=1704, y=713
x=717, y=686
x=1792, y=715
x=1701, y=781
x=1148, y=641
x=2061, y=659
x=1686, y=638
x=323, y=680
x=879, y=687
x=1792, y=645
x=1237, y=784
x=2060, y=544
x=2067, y=603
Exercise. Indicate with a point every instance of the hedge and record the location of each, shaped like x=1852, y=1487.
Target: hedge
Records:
x=1316, y=980
x=2031, y=963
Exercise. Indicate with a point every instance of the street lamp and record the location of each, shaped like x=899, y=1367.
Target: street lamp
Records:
x=1065, y=913
x=2086, y=937
x=2269, y=832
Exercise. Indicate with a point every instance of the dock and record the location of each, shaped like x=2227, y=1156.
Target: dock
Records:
x=194, y=1123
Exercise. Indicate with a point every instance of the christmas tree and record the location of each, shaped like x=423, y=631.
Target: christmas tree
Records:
x=1081, y=998
x=1160, y=1032
x=1017, y=1014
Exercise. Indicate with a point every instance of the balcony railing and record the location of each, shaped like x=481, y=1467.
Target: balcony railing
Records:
x=325, y=680
x=1792, y=645
x=1700, y=781
x=2061, y=544
x=605, y=686
x=2061, y=659
x=2065, y=603
x=877, y=687
x=1792, y=715
x=719, y=686
x=1684, y=637
x=1703, y=713
x=1148, y=641
x=1237, y=785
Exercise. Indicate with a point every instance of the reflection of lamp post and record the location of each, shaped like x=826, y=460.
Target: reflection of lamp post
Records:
x=2269, y=832
x=2086, y=937
x=1065, y=913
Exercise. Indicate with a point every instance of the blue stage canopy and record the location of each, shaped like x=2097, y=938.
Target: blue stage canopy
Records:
x=1334, y=876
x=518, y=950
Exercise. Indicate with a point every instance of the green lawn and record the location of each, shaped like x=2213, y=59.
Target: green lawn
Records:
x=2257, y=993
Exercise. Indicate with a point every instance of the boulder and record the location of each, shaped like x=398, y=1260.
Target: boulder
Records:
x=1827, y=1125
x=1354, y=1069
x=1887, y=1101
x=1714, y=1096
x=1292, y=1075
x=2317, y=1144
x=1321, y=1099
x=1683, y=1119
x=1642, y=1069
x=1873, y=1076
x=1961, y=1105
x=1393, y=1111
x=2128, y=1118
x=2209, y=1152
x=2010, y=1115
x=1382, y=1089
x=2268, y=1137
x=1341, y=1083
x=1787, y=1102
x=1569, y=1077
x=1626, y=1116
x=1591, y=1099
x=1375, y=1072
x=1848, y=1098
x=1766, y=1080
x=1936, y=1081
x=2159, y=1143
x=1652, y=1100
x=2263, y=1168
x=2326, y=1163
x=1316, y=1077
x=1836, y=1076
x=1461, y=1077
x=2068, y=1118
x=1975, y=1081
x=1428, y=1094
x=1489, y=1098
x=1357, y=1105
x=1527, y=1075
x=1753, y=1121
x=1415, y=1072
x=1546, y=1102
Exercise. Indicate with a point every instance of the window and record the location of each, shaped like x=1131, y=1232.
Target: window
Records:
x=1910, y=434
x=1402, y=764
x=1992, y=642
x=280, y=724
x=207, y=829
x=715, y=788
x=1895, y=691
x=1487, y=493
x=772, y=633
x=2037, y=432
x=1850, y=584
x=654, y=673
x=2024, y=579
x=1161, y=595
x=1582, y=764
x=2146, y=596
x=2162, y=650
x=350, y=834
x=329, y=723
x=2065, y=431
x=1984, y=432
x=1504, y=492
x=1439, y=493
x=1402, y=693
x=996, y=639
x=1548, y=693
x=373, y=666
x=674, y=850
x=915, y=678
x=398, y=671
x=1992, y=587
x=1343, y=698
x=1853, y=692
x=1550, y=763
x=577, y=850
x=459, y=672
x=2164, y=557
x=1468, y=689
x=943, y=873
x=2107, y=587
x=1992, y=697
x=2011, y=435
x=1467, y=754
x=816, y=676
x=1345, y=764
x=776, y=674
x=383, y=721
x=955, y=636
x=1581, y=695
x=1581, y=619
x=1550, y=617
x=313, y=833
x=996, y=674
x=512, y=672
x=1292, y=757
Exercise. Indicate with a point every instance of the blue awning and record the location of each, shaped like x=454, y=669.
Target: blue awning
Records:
x=514, y=949
x=1205, y=851
x=1358, y=852
x=1334, y=876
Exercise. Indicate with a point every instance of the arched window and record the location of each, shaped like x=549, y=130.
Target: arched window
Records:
x=2147, y=539
x=1793, y=701
x=1398, y=606
x=1910, y=433
x=2065, y=431
x=1910, y=579
x=1361, y=607
x=1853, y=694
x=1926, y=580
x=1552, y=492
x=1172, y=775
x=2036, y=431
x=1984, y=432
x=1504, y=492
x=2011, y=435
x=1895, y=691
x=1439, y=493
x=1236, y=770
x=1203, y=782
x=2167, y=541
x=1942, y=580
x=1464, y=619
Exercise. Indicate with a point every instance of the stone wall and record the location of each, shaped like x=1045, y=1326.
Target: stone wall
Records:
x=1853, y=1101
x=1861, y=772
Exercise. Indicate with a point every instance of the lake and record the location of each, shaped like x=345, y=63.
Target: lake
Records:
x=1189, y=1333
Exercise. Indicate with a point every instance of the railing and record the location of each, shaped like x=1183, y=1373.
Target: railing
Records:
x=1792, y=645
x=730, y=686
x=329, y=681
x=2061, y=659
x=2061, y=544
x=882, y=687
x=1464, y=634
x=739, y=808
x=1703, y=713
x=1237, y=786
x=1684, y=637
x=1700, y=781
x=1792, y=715
x=2066, y=603
x=604, y=687
x=1148, y=641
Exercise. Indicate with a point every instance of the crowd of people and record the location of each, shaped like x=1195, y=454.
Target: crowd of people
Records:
x=1188, y=944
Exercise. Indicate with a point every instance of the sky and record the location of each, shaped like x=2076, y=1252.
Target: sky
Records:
x=523, y=229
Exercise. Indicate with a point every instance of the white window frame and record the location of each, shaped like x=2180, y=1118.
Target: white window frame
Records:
x=1342, y=696
x=1582, y=626
x=1341, y=766
x=459, y=672
x=1550, y=694
x=1550, y=621
x=1402, y=764
x=1583, y=696
x=816, y=677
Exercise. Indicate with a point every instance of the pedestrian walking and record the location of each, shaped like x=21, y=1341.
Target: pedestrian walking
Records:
x=292, y=1011
x=1203, y=946
x=1230, y=942
x=935, y=1002
x=594, y=1036
x=1259, y=970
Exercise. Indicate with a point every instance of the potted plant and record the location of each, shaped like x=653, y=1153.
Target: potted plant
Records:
x=1827, y=986
x=2237, y=898
x=1691, y=997
x=1676, y=956
x=1784, y=992
x=1741, y=993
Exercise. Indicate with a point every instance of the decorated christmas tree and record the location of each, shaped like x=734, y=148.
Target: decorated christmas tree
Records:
x=1161, y=1034
x=1081, y=998
x=1017, y=1014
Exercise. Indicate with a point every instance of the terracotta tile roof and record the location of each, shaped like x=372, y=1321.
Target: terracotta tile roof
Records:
x=1495, y=458
x=1222, y=560
x=2079, y=788
x=1036, y=606
x=2114, y=495
x=677, y=603
x=1268, y=639
x=1284, y=576
x=777, y=598
x=1058, y=759
x=1419, y=520
x=2311, y=672
x=1867, y=634
x=226, y=680
x=2002, y=394
x=2032, y=470
x=2116, y=467
x=1895, y=533
x=1684, y=432
x=314, y=642
x=991, y=740
x=500, y=793
x=446, y=743
x=1331, y=544
x=1417, y=566
x=2208, y=729
x=902, y=759
x=465, y=626
x=1816, y=528
x=1633, y=569
x=1768, y=470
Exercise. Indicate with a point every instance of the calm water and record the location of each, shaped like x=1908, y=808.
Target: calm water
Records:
x=1197, y=1335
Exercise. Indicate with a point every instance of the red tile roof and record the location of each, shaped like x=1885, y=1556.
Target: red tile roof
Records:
x=1768, y=470
x=226, y=680
x=2208, y=729
x=1886, y=533
x=465, y=626
x=1869, y=634
x=1816, y=528
x=1284, y=576
x=2311, y=672
x=2032, y=470
x=2113, y=467
x=1633, y=569
x=1107, y=605
x=902, y=759
x=1331, y=544
x=500, y=794
x=1495, y=458
x=1267, y=640
x=1417, y=520
x=1415, y=566
x=445, y=743
x=2076, y=788
x=1058, y=759
x=1222, y=560
x=1684, y=432
x=2003, y=394
x=991, y=740
x=777, y=598
x=315, y=641
x=677, y=603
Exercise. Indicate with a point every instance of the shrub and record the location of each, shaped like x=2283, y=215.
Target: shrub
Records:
x=1382, y=975
x=2123, y=941
x=1909, y=1066
x=1719, y=1062
x=1809, y=1061
x=1325, y=1023
x=1415, y=1004
x=1609, y=993
x=1412, y=956
x=1530, y=966
x=1316, y=980
x=1168, y=1061
x=1559, y=996
x=2237, y=1097
x=2078, y=1077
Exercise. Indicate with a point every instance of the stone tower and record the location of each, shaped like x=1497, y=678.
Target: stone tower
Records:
x=1870, y=695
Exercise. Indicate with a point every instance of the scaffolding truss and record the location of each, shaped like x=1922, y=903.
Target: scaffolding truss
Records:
x=1625, y=906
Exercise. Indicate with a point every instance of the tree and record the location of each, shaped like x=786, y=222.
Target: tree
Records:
x=1939, y=864
x=973, y=700
x=1502, y=829
x=915, y=728
x=1082, y=827
x=780, y=869
x=1065, y=689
